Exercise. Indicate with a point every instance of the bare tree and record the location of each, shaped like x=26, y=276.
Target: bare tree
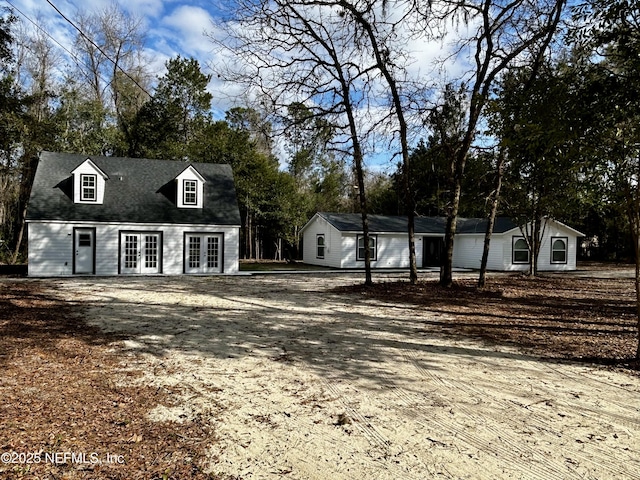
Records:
x=494, y=200
x=309, y=53
x=504, y=34
x=379, y=23
x=109, y=44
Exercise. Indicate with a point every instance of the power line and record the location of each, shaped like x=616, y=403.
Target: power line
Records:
x=72, y=55
x=90, y=40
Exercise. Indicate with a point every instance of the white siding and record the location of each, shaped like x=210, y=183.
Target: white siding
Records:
x=332, y=243
x=51, y=246
x=392, y=251
x=50, y=249
x=552, y=230
x=467, y=252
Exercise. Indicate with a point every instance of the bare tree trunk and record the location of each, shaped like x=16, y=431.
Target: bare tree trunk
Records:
x=491, y=58
x=495, y=200
x=16, y=252
x=248, y=240
x=535, y=247
x=446, y=270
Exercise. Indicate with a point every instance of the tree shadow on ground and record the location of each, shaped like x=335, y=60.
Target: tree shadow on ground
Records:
x=30, y=316
x=582, y=319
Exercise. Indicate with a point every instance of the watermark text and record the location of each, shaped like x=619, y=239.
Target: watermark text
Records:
x=61, y=458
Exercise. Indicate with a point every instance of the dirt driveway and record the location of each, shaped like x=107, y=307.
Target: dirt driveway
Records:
x=303, y=383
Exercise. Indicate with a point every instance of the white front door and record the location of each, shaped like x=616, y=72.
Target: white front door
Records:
x=140, y=253
x=203, y=253
x=84, y=250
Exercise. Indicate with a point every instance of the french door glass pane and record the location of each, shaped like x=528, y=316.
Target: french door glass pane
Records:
x=131, y=251
x=194, y=252
x=151, y=251
x=212, y=252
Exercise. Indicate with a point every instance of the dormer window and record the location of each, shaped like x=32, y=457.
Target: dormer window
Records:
x=190, y=186
x=89, y=183
x=190, y=192
x=88, y=187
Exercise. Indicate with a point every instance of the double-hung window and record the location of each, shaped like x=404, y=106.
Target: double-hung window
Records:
x=320, y=246
x=190, y=192
x=373, y=242
x=520, y=250
x=559, y=250
x=88, y=188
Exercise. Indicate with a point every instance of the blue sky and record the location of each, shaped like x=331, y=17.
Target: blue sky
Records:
x=175, y=27
x=171, y=27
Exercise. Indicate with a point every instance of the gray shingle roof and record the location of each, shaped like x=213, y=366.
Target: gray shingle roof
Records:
x=352, y=222
x=138, y=190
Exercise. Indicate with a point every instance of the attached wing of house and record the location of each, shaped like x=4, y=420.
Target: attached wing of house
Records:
x=114, y=216
x=336, y=240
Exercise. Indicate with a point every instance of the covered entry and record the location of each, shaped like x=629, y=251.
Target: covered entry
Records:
x=432, y=251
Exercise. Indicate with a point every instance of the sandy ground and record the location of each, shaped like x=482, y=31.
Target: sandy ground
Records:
x=301, y=383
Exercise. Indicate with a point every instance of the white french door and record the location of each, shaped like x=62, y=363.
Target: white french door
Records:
x=203, y=253
x=140, y=253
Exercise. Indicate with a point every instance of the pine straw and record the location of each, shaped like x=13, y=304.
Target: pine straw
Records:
x=59, y=395
x=552, y=316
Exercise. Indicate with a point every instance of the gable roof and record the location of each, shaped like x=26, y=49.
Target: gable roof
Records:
x=138, y=190
x=94, y=166
x=352, y=222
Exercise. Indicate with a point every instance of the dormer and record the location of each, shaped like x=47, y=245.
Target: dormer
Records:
x=190, y=188
x=88, y=183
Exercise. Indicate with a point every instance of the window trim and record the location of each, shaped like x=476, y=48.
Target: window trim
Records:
x=186, y=191
x=374, y=247
x=514, y=240
x=320, y=236
x=566, y=250
x=94, y=188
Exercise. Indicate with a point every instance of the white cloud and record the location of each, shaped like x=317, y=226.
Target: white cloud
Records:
x=185, y=27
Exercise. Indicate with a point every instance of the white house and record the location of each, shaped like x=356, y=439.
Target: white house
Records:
x=93, y=215
x=336, y=240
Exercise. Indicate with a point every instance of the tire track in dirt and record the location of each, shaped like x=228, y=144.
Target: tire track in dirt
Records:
x=629, y=415
x=413, y=407
x=501, y=446
x=381, y=444
x=498, y=447
x=269, y=437
x=596, y=456
x=508, y=447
